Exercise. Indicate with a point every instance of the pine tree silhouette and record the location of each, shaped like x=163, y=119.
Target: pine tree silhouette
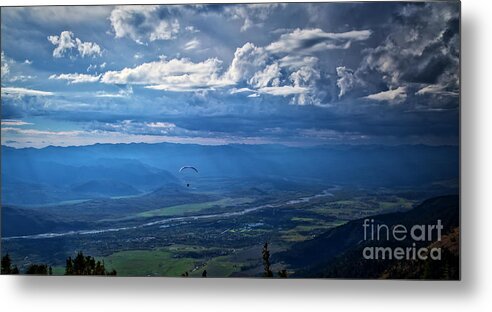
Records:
x=266, y=261
x=7, y=267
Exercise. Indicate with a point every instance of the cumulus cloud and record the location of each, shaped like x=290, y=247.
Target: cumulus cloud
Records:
x=269, y=76
x=179, y=75
x=394, y=96
x=306, y=77
x=309, y=41
x=290, y=75
x=66, y=42
x=289, y=62
x=144, y=23
x=247, y=60
x=20, y=92
x=87, y=48
x=76, y=78
x=346, y=80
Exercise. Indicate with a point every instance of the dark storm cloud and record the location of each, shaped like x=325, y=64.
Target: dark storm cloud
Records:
x=421, y=47
x=275, y=71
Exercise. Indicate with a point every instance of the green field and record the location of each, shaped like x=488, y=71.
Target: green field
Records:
x=169, y=262
x=193, y=208
x=217, y=267
x=148, y=263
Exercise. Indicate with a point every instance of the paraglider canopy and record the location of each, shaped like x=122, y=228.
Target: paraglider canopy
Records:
x=188, y=167
x=188, y=173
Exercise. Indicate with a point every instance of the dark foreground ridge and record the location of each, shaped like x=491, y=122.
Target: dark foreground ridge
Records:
x=338, y=253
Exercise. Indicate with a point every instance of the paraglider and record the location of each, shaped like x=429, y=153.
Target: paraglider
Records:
x=188, y=172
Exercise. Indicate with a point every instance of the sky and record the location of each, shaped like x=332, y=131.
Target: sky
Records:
x=298, y=74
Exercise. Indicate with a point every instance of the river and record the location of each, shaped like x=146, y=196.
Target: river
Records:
x=175, y=220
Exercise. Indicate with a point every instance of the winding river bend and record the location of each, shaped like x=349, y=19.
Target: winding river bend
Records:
x=175, y=221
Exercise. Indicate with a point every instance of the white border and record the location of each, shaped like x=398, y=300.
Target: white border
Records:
x=473, y=293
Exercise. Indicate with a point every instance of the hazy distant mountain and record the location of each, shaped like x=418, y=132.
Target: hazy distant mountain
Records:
x=39, y=178
x=16, y=221
x=104, y=187
x=69, y=172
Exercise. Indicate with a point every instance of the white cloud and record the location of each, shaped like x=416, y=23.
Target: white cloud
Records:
x=192, y=44
x=19, y=92
x=241, y=90
x=308, y=41
x=297, y=61
x=437, y=90
x=173, y=75
x=87, y=48
x=67, y=42
x=160, y=124
x=120, y=94
x=346, y=80
x=253, y=95
x=5, y=68
x=263, y=72
x=269, y=76
x=289, y=62
x=126, y=132
x=247, y=60
x=143, y=23
x=76, y=78
x=283, y=91
x=14, y=122
x=305, y=77
x=191, y=29
x=21, y=78
x=393, y=96
x=251, y=14
x=11, y=70
x=63, y=43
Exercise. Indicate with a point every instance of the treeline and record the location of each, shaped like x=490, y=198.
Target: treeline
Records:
x=80, y=265
x=86, y=265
